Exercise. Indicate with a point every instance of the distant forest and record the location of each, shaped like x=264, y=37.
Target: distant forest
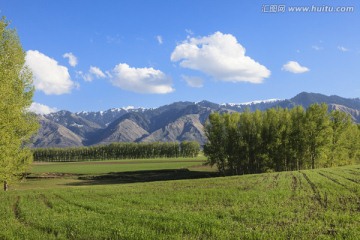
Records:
x=118, y=151
x=281, y=139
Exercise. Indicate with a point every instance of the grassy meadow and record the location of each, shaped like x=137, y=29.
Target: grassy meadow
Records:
x=99, y=167
x=45, y=175
x=91, y=203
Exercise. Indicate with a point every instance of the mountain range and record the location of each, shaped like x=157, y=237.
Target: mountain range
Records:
x=178, y=121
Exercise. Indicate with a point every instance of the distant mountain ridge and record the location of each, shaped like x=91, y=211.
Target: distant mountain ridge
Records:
x=178, y=121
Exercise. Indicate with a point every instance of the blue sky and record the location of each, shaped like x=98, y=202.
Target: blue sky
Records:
x=151, y=53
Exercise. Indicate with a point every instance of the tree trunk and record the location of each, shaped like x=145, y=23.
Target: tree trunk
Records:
x=297, y=163
x=312, y=162
x=6, y=186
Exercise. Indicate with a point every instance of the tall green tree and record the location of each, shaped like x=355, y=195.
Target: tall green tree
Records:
x=341, y=128
x=284, y=131
x=231, y=122
x=297, y=138
x=16, y=124
x=352, y=144
x=318, y=134
x=215, y=148
x=271, y=138
x=189, y=148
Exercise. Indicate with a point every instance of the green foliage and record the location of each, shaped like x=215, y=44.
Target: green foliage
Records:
x=216, y=150
x=118, y=151
x=342, y=137
x=310, y=204
x=189, y=148
x=16, y=124
x=281, y=139
x=318, y=134
x=297, y=138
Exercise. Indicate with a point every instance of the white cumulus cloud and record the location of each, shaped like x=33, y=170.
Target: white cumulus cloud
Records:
x=49, y=76
x=294, y=67
x=141, y=80
x=220, y=56
x=39, y=108
x=72, y=59
x=192, y=81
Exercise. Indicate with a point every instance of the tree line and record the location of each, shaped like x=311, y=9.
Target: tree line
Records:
x=281, y=139
x=118, y=151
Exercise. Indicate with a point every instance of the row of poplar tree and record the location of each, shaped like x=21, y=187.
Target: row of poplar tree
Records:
x=281, y=139
x=119, y=151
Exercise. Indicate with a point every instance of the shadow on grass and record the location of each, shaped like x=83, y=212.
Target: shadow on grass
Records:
x=142, y=176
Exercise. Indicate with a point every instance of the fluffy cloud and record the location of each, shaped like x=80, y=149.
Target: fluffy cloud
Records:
x=39, y=108
x=94, y=72
x=72, y=59
x=49, y=76
x=294, y=67
x=220, y=56
x=159, y=39
x=193, y=81
x=141, y=80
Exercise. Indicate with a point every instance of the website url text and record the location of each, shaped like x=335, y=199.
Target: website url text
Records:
x=280, y=8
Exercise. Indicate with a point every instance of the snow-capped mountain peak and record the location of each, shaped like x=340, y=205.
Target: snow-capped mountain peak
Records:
x=252, y=102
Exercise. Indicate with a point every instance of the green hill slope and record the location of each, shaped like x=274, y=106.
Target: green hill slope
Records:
x=319, y=204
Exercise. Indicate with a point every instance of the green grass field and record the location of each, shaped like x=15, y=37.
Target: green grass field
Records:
x=99, y=167
x=317, y=204
x=45, y=175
